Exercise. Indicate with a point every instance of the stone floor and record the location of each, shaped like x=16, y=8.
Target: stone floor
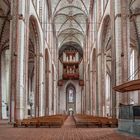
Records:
x=67, y=132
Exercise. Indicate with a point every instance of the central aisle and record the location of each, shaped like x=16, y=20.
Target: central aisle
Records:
x=69, y=123
x=67, y=132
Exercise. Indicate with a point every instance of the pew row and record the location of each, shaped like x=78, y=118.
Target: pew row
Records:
x=47, y=121
x=90, y=121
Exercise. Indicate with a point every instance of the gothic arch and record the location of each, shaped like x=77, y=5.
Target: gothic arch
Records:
x=134, y=55
x=4, y=61
x=70, y=85
x=33, y=53
x=69, y=82
x=134, y=59
x=106, y=68
x=134, y=45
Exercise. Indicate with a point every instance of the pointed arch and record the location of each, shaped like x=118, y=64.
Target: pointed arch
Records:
x=33, y=67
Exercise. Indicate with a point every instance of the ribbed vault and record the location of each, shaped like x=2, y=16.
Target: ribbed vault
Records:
x=70, y=20
x=4, y=24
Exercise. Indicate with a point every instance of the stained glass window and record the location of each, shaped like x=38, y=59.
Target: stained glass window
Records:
x=71, y=98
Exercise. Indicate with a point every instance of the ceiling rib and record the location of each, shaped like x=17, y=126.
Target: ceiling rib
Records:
x=68, y=37
x=56, y=6
x=71, y=30
x=70, y=19
x=71, y=6
x=75, y=28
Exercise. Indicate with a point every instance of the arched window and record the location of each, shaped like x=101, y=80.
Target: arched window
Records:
x=71, y=96
x=108, y=95
x=132, y=64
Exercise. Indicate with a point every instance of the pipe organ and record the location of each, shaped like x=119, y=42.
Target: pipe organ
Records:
x=70, y=60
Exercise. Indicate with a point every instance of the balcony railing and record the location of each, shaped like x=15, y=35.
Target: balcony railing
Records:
x=74, y=76
x=71, y=62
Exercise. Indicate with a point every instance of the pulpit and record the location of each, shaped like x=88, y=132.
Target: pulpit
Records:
x=129, y=115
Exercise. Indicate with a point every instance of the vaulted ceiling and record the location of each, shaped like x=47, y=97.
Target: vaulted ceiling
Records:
x=4, y=24
x=70, y=18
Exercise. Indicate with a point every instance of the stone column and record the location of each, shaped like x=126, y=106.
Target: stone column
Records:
x=113, y=52
x=118, y=47
x=91, y=89
x=14, y=57
x=59, y=110
x=87, y=92
x=41, y=87
x=22, y=33
x=0, y=91
x=94, y=90
x=56, y=90
x=99, y=84
x=84, y=96
x=136, y=21
x=17, y=47
x=46, y=82
x=84, y=77
x=37, y=79
x=121, y=44
x=55, y=93
x=103, y=80
x=26, y=38
x=124, y=44
x=50, y=90
x=81, y=99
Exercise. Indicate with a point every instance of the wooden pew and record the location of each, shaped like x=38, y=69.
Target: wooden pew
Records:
x=86, y=120
x=25, y=122
x=89, y=120
x=113, y=122
x=49, y=121
x=17, y=123
x=104, y=121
